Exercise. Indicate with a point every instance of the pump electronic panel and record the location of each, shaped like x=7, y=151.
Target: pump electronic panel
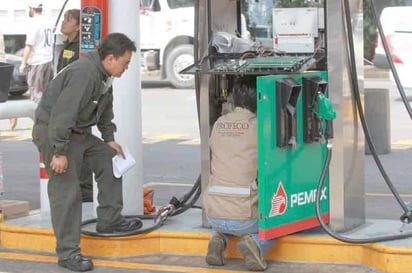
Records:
x=93, y=24
x=91, y=28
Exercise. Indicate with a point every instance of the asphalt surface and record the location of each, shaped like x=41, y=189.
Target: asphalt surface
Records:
x=171, y=160
x=171, y=154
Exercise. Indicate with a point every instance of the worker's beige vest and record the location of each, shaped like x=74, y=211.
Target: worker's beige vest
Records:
x=232, y=189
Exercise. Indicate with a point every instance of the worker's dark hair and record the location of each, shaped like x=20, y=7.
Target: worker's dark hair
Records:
x=116, y=44
x=244, y=93
x=73, y=13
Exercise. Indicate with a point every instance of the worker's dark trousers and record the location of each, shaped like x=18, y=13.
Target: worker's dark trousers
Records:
x=64, y=189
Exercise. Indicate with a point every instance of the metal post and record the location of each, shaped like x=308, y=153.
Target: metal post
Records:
x=1, y=172
x=125, y=18
x=346, y=171
x=378, y=119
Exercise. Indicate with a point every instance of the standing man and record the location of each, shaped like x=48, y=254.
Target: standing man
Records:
x=38, y=52
x=79, y=97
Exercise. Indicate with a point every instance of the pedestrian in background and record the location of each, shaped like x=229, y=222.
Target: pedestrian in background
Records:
x=70, y=52
x=230, y=200
x=38, y=51
x=70, y=28
x=79, y=97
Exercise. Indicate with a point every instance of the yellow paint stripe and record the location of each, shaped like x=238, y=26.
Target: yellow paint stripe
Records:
x=163, y=137
x=402, y=144
x=115, y=264
x=18, y=135
x=153, y=184
x=378, y=194
x=195, y=141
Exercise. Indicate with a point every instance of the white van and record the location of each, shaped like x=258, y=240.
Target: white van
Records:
x=397, y=26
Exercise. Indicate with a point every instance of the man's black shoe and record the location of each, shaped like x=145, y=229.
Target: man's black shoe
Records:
x=126, y=225
x=77, y=263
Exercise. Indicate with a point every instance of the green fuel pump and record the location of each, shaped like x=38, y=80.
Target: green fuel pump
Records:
x=294, y=118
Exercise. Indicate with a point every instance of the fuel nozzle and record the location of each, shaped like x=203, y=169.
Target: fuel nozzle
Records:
x=324, y=110
x=223, y=87
x=406, y=219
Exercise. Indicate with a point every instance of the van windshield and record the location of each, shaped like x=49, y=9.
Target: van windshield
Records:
x=175, y=4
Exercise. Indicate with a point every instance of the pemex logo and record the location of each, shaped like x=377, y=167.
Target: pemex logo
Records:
x=279, y=201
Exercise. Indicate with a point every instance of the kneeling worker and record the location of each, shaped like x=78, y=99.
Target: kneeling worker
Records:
x=230, y=200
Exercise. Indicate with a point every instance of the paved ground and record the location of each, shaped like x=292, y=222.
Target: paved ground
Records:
x=379, y=202
x=35, y=263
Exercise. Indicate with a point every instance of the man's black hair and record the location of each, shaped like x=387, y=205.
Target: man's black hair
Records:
x=116, y=44
x=244, y=92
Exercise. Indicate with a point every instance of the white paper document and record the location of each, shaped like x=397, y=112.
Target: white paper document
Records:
x=122, y=165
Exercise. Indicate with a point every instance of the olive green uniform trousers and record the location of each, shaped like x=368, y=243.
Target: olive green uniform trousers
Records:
x=64, y=189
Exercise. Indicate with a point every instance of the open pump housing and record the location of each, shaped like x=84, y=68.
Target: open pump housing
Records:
x=286, y=48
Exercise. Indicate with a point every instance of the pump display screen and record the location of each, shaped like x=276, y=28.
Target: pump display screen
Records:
x=91, y=25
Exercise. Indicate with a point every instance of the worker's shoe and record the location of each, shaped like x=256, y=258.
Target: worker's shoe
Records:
x=215, y=249
x=127, y=225
x=77, y=263
x=251, y=253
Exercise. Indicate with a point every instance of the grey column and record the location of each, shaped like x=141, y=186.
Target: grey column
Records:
x=125, y=18
x=378, y=119
x=346, y=172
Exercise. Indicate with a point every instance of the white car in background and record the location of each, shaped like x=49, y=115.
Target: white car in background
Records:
x=397, y=26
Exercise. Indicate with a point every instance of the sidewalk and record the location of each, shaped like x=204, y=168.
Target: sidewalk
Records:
x=183, y=235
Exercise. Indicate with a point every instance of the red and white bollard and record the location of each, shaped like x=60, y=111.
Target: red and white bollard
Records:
x=44, y=180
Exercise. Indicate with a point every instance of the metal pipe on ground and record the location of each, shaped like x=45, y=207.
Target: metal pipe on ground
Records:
x=17, y=109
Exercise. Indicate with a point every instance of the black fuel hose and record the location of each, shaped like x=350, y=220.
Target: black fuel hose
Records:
x=186, y=202
x=356, y=93
x=56, y=23
x=405, y=218
x=336, y=235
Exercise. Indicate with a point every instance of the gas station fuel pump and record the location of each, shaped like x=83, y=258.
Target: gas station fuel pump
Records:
x=302, y=53
x=287, y=51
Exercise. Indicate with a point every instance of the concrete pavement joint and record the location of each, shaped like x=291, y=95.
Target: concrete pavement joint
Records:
x=112, y=263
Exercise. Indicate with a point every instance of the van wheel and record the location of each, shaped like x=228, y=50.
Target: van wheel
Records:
x=179, y=58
